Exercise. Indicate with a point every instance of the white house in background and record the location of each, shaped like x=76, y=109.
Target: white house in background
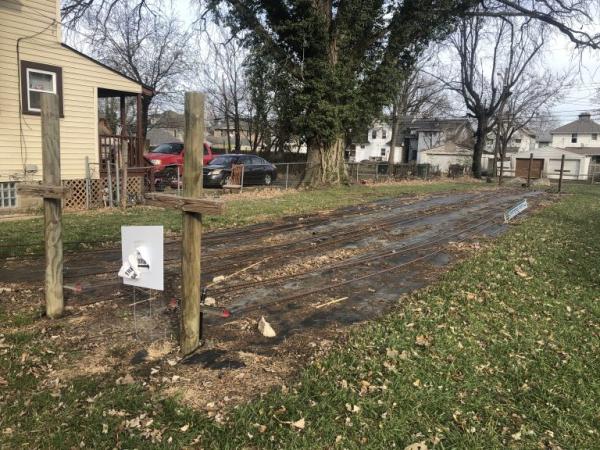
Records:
x=581, y=136
x=439, y=142
x=374, y=147
x=543, y=140
x=523, y=140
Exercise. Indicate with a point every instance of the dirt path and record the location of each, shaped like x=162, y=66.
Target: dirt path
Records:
x=311, y=277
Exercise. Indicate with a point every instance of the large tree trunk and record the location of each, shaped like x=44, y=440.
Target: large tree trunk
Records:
x=325, y=164
x=478, y=150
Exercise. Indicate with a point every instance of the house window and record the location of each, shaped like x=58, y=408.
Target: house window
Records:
x=37, y=79
x=383, y=152
x=8, y=195
x=374, y=134
x=574, y=138
x=383, y=134
x=362, y=146
x=517, y=141
x=594, y=136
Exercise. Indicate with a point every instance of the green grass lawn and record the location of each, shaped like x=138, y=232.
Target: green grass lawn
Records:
x=503, y=352
x=103, y=227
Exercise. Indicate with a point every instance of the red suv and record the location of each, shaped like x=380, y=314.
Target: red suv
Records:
x=165, y=159
x=171, y=154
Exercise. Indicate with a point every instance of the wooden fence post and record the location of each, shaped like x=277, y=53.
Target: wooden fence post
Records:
x=123, y=166
x=52, y=206
x=192, y=223
x=529, y=170
x=562, y=168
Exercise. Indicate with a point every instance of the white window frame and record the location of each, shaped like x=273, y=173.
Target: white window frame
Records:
x=29, y=89
x=8, y=192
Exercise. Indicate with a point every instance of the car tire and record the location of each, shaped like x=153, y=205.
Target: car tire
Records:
x=268, y=180
x=225, y=180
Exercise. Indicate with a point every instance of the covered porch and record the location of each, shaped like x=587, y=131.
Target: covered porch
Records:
x=127, y=129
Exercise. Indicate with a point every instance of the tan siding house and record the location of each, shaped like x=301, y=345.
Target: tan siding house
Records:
x=33, y=60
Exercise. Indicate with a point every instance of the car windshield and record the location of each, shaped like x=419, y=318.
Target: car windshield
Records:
x=224, y=160
x=169, y=149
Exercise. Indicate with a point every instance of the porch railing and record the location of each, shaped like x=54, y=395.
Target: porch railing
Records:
x=110, y=145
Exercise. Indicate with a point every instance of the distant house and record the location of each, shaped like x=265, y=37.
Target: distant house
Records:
x=439, y=142
x=167, y=123
x=33, y=60
x=372, y=147
x=157, y=136
x=522, y=140
x=581, y=136
x=543, y=140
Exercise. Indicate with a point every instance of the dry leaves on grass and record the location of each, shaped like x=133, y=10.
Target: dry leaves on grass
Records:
x=423, y=341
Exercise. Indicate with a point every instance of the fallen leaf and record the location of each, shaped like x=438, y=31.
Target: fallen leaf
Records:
x=299, y=424
x=423, y=341
x=184, y=428
x=127, y=379
x=417, y=446
x=265, y=328
x=391, y=353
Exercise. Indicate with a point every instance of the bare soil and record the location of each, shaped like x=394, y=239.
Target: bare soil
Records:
x=313, y=278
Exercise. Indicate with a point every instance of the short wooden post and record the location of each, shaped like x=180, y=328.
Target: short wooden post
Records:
x=52, y=206
x=560, y=177
x=118, y=174
x=529, y=170
x=124, y=166
x=109, y=178
x=192, y=223
x=87, y=183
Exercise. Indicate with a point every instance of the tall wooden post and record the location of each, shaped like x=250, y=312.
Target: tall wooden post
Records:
x=52, y=206
x=192, y=223
x=529, y=170
x=562, y=168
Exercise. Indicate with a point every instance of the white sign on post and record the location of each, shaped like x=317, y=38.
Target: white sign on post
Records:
x=142, y=256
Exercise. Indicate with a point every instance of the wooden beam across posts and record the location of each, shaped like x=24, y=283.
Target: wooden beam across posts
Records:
x=192, y=223
x=44, y=190
x=52, y=206
x=185, y=204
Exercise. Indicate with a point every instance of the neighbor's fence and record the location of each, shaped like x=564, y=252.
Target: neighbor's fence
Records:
x=290, y=175
x=103, y=186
